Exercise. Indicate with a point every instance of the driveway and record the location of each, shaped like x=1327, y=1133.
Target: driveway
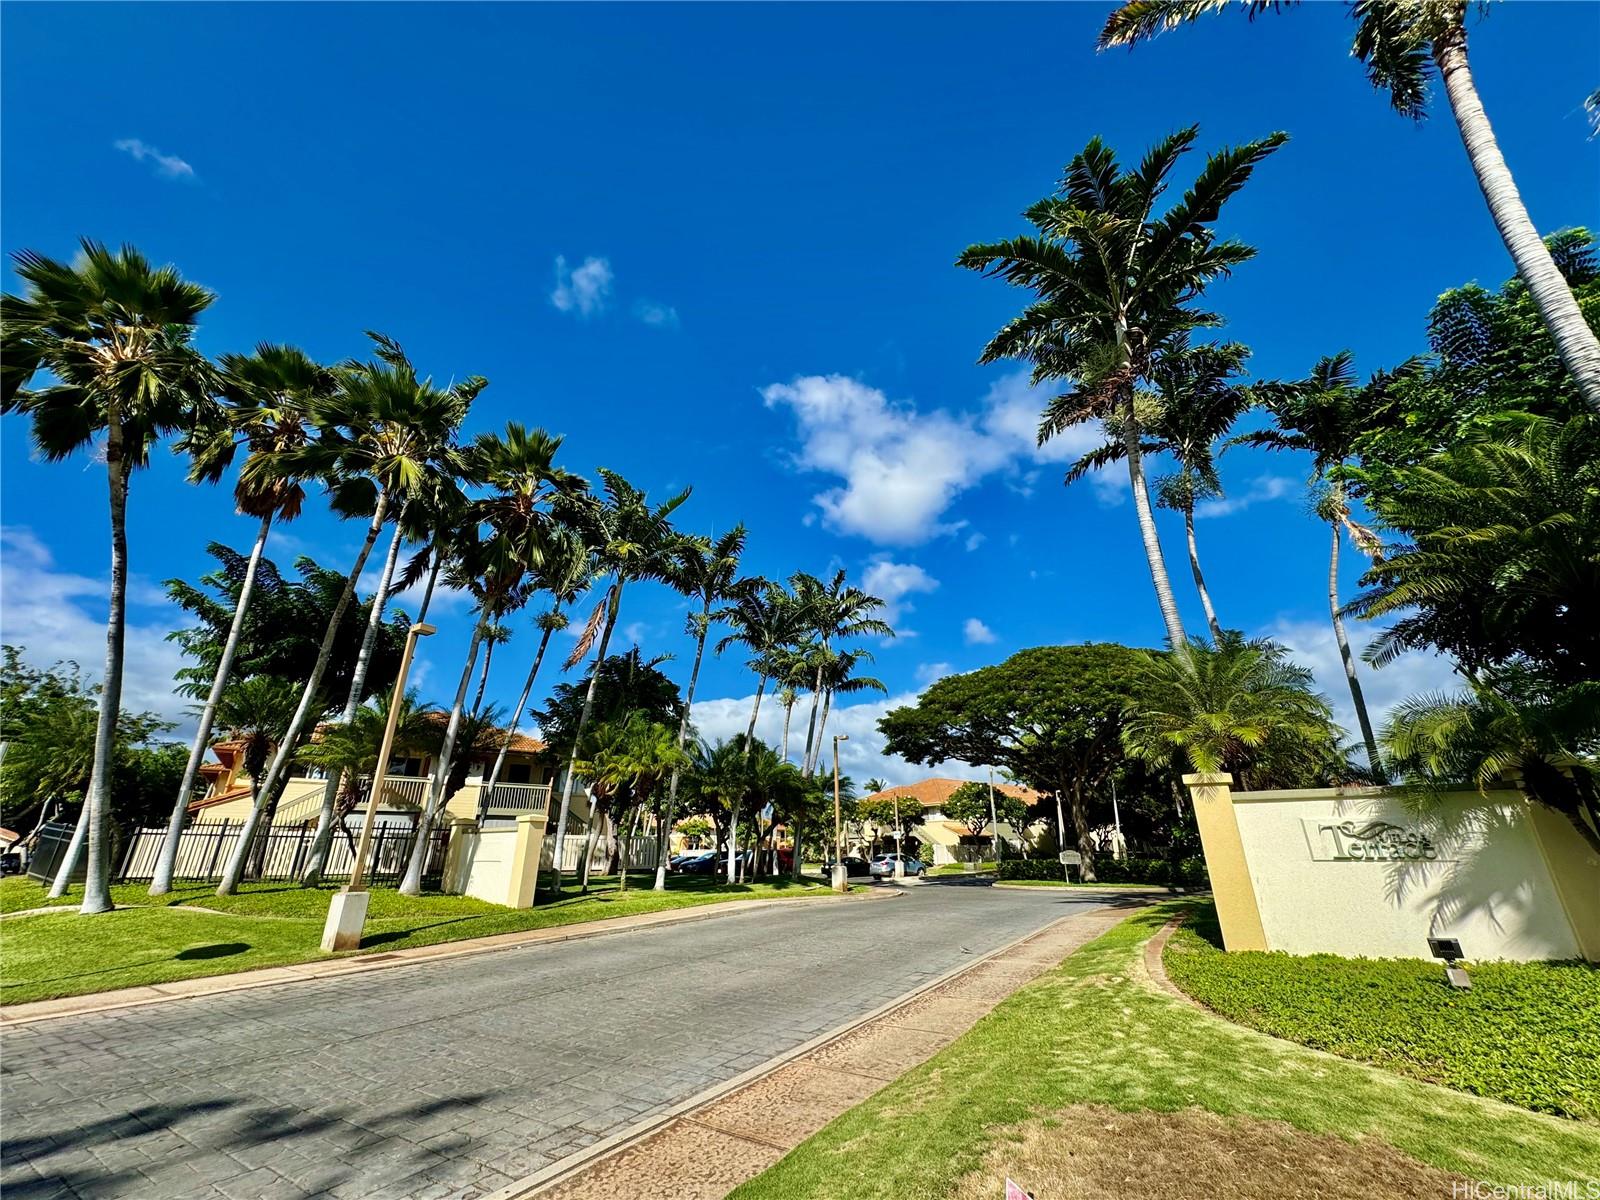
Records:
x=452, y=1079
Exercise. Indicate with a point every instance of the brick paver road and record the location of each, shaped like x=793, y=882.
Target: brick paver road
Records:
x=451, y=1079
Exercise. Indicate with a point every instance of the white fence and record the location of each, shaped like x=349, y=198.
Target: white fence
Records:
x=641, y=853
x=204, y=850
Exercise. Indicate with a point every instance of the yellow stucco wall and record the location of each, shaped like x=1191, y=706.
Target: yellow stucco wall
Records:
x=1231, y=886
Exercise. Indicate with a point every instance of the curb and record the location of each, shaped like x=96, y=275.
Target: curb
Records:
x=564, y=1170
x=34, y=1011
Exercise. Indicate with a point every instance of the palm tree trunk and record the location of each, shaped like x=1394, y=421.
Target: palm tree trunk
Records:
x=483, y=678
x=427, y=592
x=69, y=860
x=597, y=813
x=822, y=726
x=161, y=883
x=1147, y=531
x=683, y=732
x=1348, y=659
x=809, y=767
x=796, y=867
x=97, y=878
x=1199, y=578
x=583, y=722
x=733, y=842
x=302, y=713
x=516, y=713
x=411, y=885
x=788, y=711
x=1576, y=342
x=755, y=711
x=322, y=839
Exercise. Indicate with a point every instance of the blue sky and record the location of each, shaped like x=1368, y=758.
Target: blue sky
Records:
x=712, y=245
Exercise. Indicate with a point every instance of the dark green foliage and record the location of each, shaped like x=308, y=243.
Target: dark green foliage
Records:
x=1191, y=871
x=283, y=628
x=628, y=683
x=1527, y=1033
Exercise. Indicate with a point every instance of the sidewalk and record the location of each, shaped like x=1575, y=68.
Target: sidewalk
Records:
x=213, y=985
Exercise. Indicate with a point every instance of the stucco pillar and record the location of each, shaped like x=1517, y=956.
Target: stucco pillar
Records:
x=1575, y=871
x=525, y=860
x=1231, y=888
x=458, y=855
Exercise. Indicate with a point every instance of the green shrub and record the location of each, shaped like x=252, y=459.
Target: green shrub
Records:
x=1191, y=871
x=1527, y=1033
x=925, y=853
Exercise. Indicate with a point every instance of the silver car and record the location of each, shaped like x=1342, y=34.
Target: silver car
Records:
x=883, y=865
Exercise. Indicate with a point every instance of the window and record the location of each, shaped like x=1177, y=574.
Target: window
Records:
x=519, y=772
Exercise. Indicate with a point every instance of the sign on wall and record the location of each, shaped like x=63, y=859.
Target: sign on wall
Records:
x=1370, y=841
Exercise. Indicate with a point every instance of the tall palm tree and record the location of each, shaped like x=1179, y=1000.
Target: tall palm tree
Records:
x=839, y=679
x=627, y=757
x=385, y=433
x=255, y=712
x=763, y=619
x=564, y=574
x=267, y=398
x=494, y=635
x=519, y=513
x=707, y=570
x=632, y=540
x=833, y=612
x=114, y=334
x=1114, y=281
x=1323, y=415
x=1194, y=398
x=1403, y=43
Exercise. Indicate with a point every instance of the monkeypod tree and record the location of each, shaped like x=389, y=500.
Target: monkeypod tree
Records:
x=1051, y=716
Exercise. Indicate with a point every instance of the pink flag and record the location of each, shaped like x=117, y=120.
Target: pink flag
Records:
x=1014, y=1191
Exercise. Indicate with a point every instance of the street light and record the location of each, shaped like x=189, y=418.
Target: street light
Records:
x=994, y=825
x=899, y=842
x=347, y=911
x=841, y=877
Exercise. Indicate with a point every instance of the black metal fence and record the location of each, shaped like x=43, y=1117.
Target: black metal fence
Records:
x=281, y=854
x=48, y=851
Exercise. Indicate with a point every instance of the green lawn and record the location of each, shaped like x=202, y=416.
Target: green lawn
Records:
x=1527, y=1033
x=1092, y=1040
x=961, y=869
x=273, y=924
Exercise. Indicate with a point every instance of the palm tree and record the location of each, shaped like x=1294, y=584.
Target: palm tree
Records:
x=348, y=750
x=564, y=573
x=632, y=540
x=626, y=758
x=114, y=333
x=268, y=394
x=385, y=434
x=1115, y=282
x=519, y=514
x=763, y=619
x=1402, y=45
x=1324, y=414
x=839, y=678
x=706, y=570
x=494, y=635
x=1194, y=400
x=833, y=612
x=1238, y=706
x=255, y=712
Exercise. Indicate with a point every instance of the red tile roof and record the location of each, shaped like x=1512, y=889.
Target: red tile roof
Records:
x=931, y=793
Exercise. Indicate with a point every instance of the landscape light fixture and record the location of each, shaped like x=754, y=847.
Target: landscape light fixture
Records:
x=347, y=911
x=1449, y=949
x=841, y=877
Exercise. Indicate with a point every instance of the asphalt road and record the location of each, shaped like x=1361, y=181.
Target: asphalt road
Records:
x=452, y=1079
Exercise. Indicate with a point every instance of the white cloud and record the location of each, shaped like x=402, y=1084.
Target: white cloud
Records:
x=54, y=615
x=892, y=582
x=932, y=672
x=585, y=289
x=1311, y=644
x=974, y=540
x=1262, y=488
x=168, y=166
x=903, y=467
x=977, y=633
x=661, y=316
x=861, y=757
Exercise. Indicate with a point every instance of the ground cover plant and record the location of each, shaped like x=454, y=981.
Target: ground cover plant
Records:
x=1526, y=1033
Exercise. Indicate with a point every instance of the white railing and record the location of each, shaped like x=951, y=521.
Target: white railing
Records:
x=410, y=790
x=514, y=797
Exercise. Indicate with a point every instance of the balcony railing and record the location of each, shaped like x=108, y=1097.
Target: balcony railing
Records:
x=408, y=790
x=514, y=797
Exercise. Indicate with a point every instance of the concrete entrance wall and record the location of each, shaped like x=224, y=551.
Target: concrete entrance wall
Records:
x=1353, y=871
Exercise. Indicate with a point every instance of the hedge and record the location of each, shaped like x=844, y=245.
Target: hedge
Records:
x=1191, y=871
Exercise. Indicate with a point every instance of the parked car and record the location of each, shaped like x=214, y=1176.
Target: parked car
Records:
x=702, y=863
x=883, y=865
x=853, y=867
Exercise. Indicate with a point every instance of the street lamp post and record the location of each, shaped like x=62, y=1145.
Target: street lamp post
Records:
x=841, y=877
x=899, y=842
x=347, y=911
x=994, y=825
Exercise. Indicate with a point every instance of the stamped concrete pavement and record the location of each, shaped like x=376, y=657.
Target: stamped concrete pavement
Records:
x=452, y=1079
